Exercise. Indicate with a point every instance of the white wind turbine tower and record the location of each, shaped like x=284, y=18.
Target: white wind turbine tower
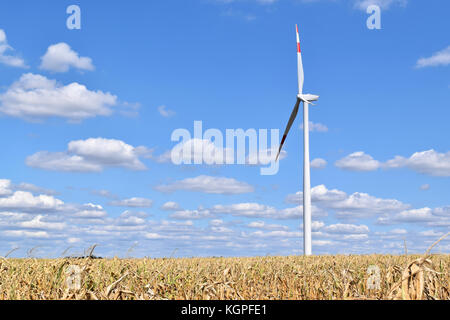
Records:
x=306, y=98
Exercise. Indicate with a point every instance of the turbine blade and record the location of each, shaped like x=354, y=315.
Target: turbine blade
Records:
x=288, y=127
x=309, y=102
x=301, y=76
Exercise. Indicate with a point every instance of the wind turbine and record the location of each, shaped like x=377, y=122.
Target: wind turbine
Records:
x=306, y=99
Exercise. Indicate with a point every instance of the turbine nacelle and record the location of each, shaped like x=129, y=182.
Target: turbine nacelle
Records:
x=308, y=97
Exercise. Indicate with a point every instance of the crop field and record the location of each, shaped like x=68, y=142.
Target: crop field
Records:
x=294, y=277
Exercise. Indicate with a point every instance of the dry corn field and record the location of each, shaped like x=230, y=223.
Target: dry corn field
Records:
x=321, y=277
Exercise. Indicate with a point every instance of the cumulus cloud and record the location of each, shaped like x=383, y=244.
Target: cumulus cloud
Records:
x=91, y=155
x=129, y=218
x=427, y=162
x=318, y=163
x=82, y=225
x=266, y=226
x=440, y=58
x=197, y=151
x=60, y=58
x=316, y=127
x=26, y=201
x=356, y=205
x=26, y=234
x=39, y=223
x=275, y=234
x=35, y=97
x=166, y=113
x=133, y=203
x=200, y=213
x=9, y=60
x=257, y=210
x=90, y=211
x=346, y=229
x=358, y=161
x=208, y=184
x=414, y=215
x=5, y=187
x=34, y=189
x=431, y=233
x=170, y=206
x=319, y=193
x=383, y=4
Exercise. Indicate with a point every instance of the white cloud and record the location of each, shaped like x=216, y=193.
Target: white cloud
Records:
x=5, y=187
x=257, y=210
x=246, y=210
x=90, y=211
x=360, y=204
x=91, y=155
x=170, y=206
x=346, y=229
x=73, y=240
x=133, y=203
x=431, y=233
x=427, y=162
x=355, y=237
x=398, y=231
x=34, y=97
x=358, y=161
x=129, y=218
x=437, y=217
x=154, y=236
x=316, y=127
x=275, y=234
x=318, y=163
x=265, y=226
x=208, y=184
x=60, y=58
x=321, y=243
x=383, y=4
x=425, y=187
x=415, y=215
x=38, y=223
x=12, y=61
x=442, y=211
x=191, y=214
x=440, y=58
x=166, y=113
x=317, y=225
x=319, y=193
x=198, y=151
x=26, y=234
x=25, y=201
x=34, y=189
x=349, y=206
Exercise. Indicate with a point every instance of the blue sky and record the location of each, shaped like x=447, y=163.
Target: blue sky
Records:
x=87, y=117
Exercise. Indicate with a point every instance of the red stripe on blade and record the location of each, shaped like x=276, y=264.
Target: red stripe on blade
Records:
x=298, y=48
